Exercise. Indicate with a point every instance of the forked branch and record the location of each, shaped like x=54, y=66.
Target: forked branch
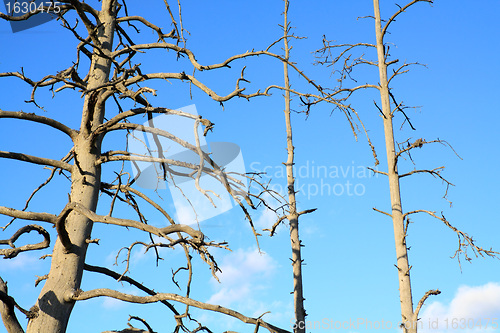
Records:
x=14, y=251
x=79, y=295
x=401, y=10
x=464, y=240
x=161, y=232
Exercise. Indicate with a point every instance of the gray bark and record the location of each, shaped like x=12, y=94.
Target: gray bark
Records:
x=293, y=217
x=67, y=267
x=405, y=293
x=7, y=311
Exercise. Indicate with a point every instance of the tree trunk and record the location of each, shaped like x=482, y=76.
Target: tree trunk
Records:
x=67, y=268
x=293, y=217
x=405, y=294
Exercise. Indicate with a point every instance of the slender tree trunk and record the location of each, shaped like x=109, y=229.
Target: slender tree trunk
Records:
x=293, y=217
x=405, y=294
x=7, y=312
x=67, y=268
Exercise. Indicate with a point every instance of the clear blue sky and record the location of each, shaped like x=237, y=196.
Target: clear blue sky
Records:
x=349, y=272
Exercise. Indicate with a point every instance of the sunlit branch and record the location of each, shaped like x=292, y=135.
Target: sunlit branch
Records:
x=124, y=115
x=382, y=212
x=464, y=240
x=422, y=301
x=161, y=232
x=161, y=35
x=32, y=216
x=85, y=295
x=91, y=28
x=401, y=10
x=39, y=119
x=14, y=251
x=36, y=160
x=7, y=306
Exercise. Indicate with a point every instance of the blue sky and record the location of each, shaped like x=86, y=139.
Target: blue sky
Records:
x=349, y=249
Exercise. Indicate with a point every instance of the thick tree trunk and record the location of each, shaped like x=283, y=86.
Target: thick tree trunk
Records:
x=67, y=268
x=396, y=208
x=293, y=217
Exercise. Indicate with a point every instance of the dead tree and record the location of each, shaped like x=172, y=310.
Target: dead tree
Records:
x=293, y=216
x=105, y=36
x=337, y=97
x=390, y=106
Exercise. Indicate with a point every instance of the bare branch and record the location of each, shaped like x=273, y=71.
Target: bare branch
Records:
x=67, y=76
x=377, y=171
x=7, y=304
x=14, y=251
x=150, y=330
x=91, y=28
x=133, y=112
x=161, y=232
x=40, y=119
x=381, y=211
x=121, y=277
x=32, y=216
x=161, y=35
x=125, y=189
x=85, y=295
x=434, y=172
x=464, y=240
x=36, y=160
x=272, y=230
x=401, y=10
x=422, y=301
x=399, y=71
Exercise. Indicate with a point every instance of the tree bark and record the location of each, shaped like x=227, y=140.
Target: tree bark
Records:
x=7, y=311
x=67, y=266
x=405, y=293
x=293, y=216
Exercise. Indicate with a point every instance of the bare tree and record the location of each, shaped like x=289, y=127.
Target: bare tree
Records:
x=106, y=40
x=292, y=215
x=400, y=219
x=107, y=44
x=390, y=106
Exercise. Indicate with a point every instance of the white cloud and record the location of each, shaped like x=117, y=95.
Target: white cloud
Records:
x=470, y=310
x=109, y=303
x=245, y=282
x=244, y=273
x=23, y=262
x=266, y=219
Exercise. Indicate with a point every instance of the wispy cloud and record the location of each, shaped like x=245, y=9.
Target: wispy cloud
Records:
x=23, y=262
x=243, y=273
x=473, y=309
x=266, y=219
x=244, y=285
x=109, y=303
